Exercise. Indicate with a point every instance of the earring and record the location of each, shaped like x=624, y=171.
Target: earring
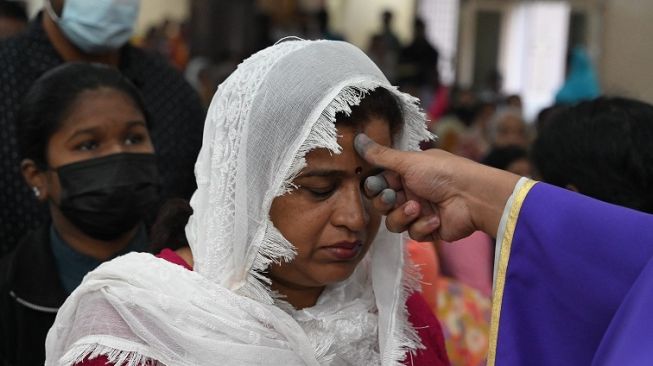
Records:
x=36, y=191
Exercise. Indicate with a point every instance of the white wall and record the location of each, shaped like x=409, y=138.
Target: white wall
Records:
x=534, y=52
x=626, y=65
x=358, y=20
x=155, y=11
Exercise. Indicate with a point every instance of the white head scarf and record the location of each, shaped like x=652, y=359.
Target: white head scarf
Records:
x=277, y=106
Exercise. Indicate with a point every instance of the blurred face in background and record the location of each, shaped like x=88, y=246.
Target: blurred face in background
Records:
x=521, y=167
x=510, y=129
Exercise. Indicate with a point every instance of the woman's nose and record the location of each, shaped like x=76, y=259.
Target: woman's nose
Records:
x=115, y=148
x=350, y=211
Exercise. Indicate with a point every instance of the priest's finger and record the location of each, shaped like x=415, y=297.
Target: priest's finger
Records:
x=399, y=219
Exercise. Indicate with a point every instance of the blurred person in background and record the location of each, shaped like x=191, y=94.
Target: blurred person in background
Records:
x=508, y=128
x=602, y=149
x=453, y=129
x=383, y=57
x=511, y=158
x=477, y=141
x=491, y=91
x=581, y=82
x=92, y=31
x=418, y=64
x=388, y=34
x=514, y=101
x=87, y=157
x=325, y=32
x=199, y=74
x=384, y=47
x=543, y=117
x=178, y=49
x=13, y=18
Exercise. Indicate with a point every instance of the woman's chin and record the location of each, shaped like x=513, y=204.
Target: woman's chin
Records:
x=335, y=273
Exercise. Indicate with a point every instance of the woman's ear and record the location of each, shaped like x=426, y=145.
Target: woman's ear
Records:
x=35, y=179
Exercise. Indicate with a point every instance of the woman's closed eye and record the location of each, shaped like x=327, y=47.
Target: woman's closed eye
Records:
x=320, y=192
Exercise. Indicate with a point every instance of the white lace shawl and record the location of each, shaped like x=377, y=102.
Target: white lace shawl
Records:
x=137, y=309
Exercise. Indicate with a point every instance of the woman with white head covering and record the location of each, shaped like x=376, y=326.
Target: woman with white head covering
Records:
x=291, y=265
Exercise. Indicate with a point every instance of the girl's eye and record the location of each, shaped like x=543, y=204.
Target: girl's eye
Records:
x=134, y=139
x=87, y=145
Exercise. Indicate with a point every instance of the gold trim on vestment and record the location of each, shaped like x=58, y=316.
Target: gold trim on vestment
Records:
x=506, y=244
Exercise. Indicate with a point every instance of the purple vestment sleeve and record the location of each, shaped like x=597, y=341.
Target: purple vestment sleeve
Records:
x=575, y=282
x=630, y=335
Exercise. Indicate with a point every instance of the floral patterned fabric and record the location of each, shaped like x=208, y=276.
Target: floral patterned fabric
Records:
x=465, y=317
x=463, y=311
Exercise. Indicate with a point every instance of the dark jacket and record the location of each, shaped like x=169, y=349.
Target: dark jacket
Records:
x=30, y=295
x=175, y=119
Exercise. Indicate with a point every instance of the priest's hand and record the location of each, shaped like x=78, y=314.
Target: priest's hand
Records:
x=433, y=194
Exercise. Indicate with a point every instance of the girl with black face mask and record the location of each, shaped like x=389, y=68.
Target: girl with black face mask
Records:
x=87, y=154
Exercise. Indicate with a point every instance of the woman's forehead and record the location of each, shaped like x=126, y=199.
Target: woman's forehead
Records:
x=348, y=159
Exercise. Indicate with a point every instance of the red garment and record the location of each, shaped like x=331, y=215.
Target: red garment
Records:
x=430, y=332
x=439, y=105
x=420, y=317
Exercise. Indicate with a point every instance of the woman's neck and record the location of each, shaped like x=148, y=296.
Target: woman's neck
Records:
x=82, y=243
x=68, y=51
x=298, y=296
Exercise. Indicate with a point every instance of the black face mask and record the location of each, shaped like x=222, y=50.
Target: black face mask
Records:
x=108, y=196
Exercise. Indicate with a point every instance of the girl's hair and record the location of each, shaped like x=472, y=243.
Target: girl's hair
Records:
x=50, y=99
x=168, y=230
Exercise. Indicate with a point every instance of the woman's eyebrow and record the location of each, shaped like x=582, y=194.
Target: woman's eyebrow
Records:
x=89, y=131
x=136, y=123
x=323, y=173
x=334, y=173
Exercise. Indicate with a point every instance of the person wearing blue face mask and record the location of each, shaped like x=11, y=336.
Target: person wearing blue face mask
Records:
x=96, y=27
x=96, y=31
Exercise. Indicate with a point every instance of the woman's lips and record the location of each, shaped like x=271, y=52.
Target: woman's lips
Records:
x=344, y=250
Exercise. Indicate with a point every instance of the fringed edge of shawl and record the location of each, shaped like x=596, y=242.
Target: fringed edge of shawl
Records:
x=81, y=352
x=274, y=249
x=406, y=338
x=415, y=130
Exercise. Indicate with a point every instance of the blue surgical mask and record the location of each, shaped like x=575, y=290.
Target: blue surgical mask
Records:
x=97, y=26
